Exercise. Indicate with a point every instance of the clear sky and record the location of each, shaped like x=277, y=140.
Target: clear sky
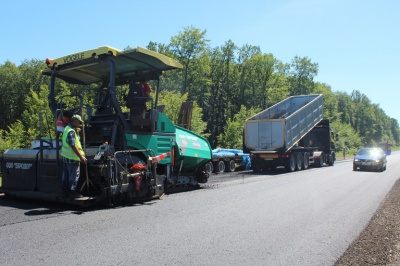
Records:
x=355, y=42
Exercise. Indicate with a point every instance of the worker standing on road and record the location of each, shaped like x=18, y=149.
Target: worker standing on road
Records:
x=73, y=155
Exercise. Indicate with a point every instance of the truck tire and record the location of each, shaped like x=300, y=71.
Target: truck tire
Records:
x=306, y=161
x=209, y=167
x=299, y=161
x=331, y=159
x=230, y=166
x=320, y=161
x=290, y=165
x=219, y=167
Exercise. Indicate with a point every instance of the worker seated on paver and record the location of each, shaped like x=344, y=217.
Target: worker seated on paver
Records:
x=138, y=95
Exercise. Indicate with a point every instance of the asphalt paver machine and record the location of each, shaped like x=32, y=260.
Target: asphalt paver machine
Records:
x=134, y=151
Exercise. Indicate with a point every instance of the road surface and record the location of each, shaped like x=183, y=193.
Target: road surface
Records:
x=303, y=218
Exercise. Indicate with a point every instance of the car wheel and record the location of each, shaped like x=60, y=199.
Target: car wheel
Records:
x=354, y=168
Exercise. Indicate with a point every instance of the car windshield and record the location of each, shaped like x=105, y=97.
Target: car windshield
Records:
x=370, y=152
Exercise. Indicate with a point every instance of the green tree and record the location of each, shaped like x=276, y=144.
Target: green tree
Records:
x=15, y=84
x=35, y=122
x=221, y=79
x=302, y=75
x=394, y=128
x=348, y=137
x=232, y=137
x=331, y=111
x=9, y=73
x=346, y=107
x=187, y=46
x=278, y=89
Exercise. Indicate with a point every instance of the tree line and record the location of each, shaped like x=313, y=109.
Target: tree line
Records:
x=228, y=84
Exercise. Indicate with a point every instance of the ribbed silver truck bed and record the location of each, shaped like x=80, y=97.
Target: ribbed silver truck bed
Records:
x=282, y=125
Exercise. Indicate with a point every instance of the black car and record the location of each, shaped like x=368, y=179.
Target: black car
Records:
x=370, y=159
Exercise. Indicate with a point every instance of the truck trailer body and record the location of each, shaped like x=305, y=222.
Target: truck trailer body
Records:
x=291, y=133
x=228, y=160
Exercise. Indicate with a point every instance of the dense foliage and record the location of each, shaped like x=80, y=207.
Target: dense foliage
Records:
x=227, y=84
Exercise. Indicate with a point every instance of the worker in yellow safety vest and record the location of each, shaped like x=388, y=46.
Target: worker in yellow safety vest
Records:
x=73, y=155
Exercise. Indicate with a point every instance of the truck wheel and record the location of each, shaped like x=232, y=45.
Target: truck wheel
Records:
x=209, y=167
x=299, y=161
x=319, y=162
x=306, y=161
x=230, y=166
x=219, y=167
x=291, y=163
x=331, y=160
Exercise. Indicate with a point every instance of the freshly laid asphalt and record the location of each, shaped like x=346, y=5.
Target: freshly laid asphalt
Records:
x=302, y=218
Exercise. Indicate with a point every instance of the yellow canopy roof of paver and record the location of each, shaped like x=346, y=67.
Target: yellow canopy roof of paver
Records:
x=85, y=68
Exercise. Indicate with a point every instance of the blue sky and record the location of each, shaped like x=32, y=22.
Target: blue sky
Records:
x=356, y=43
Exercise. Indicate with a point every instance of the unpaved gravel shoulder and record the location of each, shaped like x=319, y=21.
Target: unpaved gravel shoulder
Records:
x=379, y=243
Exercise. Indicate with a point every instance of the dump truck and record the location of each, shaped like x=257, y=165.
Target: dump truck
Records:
x=291, y=133
x=134, y=151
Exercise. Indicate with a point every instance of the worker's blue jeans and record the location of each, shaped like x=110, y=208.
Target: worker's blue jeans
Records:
x=71, y=170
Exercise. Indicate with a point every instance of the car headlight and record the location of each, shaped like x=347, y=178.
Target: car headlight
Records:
x=356, y=160
x=377, y=161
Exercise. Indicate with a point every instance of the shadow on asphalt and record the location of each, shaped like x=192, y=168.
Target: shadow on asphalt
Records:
x=36, y=207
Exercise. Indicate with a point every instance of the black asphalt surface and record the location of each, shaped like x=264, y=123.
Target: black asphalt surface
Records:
x=302, y=218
